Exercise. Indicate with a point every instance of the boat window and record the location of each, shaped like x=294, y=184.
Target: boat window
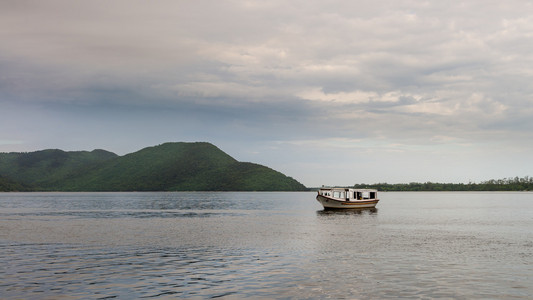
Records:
x=336, y=195
x=366, y=195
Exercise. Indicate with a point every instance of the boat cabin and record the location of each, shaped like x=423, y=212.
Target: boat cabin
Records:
x=348, y=194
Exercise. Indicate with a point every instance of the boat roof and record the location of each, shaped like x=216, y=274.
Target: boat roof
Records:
x=346, y=189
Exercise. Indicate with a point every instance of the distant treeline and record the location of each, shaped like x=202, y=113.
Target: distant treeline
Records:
x=506, y=184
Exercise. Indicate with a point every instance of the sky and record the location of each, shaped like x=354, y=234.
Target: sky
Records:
x=327, y=92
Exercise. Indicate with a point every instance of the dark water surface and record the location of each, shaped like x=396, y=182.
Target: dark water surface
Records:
x=264, y=245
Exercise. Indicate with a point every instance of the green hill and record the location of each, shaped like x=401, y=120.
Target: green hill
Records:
x=8, y=185
x=167, y=167
x=48, y=168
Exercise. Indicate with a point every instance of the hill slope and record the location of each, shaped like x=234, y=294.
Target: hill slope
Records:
x=8, y=185
x=47, y=168
x=167, y=167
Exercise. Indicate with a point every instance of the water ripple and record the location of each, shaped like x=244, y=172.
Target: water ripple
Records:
x=150, y=245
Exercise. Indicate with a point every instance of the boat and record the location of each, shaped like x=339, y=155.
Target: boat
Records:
x=347, y=198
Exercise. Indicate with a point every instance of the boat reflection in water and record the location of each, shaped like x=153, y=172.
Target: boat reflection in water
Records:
x=347, y=212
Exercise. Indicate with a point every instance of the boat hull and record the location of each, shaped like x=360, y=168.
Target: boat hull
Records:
x=332, y=203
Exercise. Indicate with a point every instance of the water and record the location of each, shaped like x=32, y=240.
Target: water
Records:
x=264, y=245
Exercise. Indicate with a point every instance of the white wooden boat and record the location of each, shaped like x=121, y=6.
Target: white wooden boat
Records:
x=343, y=198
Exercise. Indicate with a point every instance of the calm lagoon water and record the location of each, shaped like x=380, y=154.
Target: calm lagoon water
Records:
x=265, y=245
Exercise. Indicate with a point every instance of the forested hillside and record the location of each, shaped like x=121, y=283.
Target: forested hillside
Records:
x=8, y=185
x=49, y=168
x=166, y=167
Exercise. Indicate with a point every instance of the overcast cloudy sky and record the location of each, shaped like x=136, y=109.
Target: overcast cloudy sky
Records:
x=328, y=92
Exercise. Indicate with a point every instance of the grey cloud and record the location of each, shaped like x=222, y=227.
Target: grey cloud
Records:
x=406, y=72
